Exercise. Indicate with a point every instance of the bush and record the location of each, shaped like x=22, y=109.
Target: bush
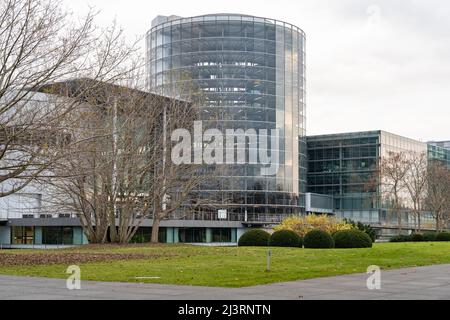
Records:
x=401, y=239
x=286, y=238
x=254, y=238
x=429, y=236
x=363, y=227
x=443, y=236
x=304, y=224
x=352, y=239
x=318, y=239
x=417, y=237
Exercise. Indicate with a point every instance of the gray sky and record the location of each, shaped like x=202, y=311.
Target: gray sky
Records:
x=370, y=64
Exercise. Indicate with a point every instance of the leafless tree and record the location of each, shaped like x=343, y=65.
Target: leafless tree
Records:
x=41, y=43
x=177, y=185
x=118, y=170
x=438, y=193
x=416, y=183
x=104, y=177
x=392, y=171
x=98, y=142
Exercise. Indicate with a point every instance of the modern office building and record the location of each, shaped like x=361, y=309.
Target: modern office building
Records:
x=439, y=151
x=251, y=74
x=247, y=73
x=442, y=144
x=342, y=165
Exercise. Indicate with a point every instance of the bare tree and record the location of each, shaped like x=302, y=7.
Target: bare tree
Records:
x=438, y=191
x=118, y=170
x=104, y=175
x=102, y=149
x=416, y=183
x=39, y=44
x=178, y=185
x=393, y=171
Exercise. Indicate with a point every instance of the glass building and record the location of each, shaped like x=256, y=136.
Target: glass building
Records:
x=251, y=72
x=439, y=152
x=342, y=165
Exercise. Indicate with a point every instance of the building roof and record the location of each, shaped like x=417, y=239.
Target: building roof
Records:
x=348, y=135
x=161, y=20
x=86, y=88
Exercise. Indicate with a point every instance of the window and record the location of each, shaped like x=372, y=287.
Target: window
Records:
x=57, y=235
x=221, y=235
x=144, y=235
x=193, y=235
x=22, y=235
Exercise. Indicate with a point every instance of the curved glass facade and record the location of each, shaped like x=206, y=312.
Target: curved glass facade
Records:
x=252, y=74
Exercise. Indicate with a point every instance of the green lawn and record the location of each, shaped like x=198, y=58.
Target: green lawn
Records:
x=238, y=267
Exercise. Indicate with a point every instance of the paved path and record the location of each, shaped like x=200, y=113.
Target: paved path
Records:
x=407, y=284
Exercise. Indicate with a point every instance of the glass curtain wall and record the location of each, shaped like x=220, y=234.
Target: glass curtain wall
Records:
x=437, y=153
x=341, y=165
x=251, y=72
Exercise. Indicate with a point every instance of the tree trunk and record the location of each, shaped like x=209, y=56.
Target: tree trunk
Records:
x=419, y=222
x=399, y=220
x=112, y=226
x=438, y=222
x=415, y=222
x=155, y=228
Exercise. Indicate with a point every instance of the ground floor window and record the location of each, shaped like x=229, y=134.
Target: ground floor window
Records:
x=22, y=235
x=144, y=235
x=221, y=235
x=57, y=235
x=192, y=235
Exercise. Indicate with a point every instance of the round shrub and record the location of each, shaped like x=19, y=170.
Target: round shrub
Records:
x=318, y=239
x=401, y=239
x=352, y=239
x=443, y=236
x=417, y=237
x=254, y=238
x=286, y=238
x=429, y=236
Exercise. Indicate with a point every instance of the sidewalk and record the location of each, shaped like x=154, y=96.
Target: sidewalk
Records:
x=424, y=283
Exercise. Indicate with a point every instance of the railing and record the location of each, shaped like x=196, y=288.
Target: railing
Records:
x=231, y=217
x=403, y=226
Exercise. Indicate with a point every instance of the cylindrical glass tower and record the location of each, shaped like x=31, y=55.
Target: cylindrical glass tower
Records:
x=252, y=74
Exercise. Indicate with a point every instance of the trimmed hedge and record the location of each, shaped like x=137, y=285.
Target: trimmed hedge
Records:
x=254, y=238
x=401, y=239
x=318, y=239
x=352, y=239
x=286, y=238
x=417, y=237
x=365, y=228
x=429, y=236
x=443, y=236
x=426, y=237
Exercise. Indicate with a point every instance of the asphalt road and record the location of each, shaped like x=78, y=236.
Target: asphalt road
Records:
x=425, y=283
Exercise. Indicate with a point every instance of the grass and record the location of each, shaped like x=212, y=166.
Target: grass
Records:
x=237, y=267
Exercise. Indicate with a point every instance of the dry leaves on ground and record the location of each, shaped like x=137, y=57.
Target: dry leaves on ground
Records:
x=8, y=259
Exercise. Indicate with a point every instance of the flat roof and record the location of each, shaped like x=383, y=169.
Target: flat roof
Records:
x=158, y=21
x=346, y=134
x=350, y=135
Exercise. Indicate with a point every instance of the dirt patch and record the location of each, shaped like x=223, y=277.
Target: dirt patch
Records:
x=116, y=246
x=7, y=259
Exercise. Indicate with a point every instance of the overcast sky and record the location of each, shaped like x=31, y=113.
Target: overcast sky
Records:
x=370, y=64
